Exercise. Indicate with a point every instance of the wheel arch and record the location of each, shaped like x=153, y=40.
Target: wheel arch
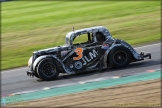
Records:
x=134, y=55
x=39, y=59
x=110, y=49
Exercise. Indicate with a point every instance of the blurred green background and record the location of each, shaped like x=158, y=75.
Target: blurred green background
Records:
x=28, y=26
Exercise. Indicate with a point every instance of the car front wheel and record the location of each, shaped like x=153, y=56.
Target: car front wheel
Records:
x=47, y=69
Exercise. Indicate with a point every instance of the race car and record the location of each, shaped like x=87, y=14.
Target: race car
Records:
x=98, y=52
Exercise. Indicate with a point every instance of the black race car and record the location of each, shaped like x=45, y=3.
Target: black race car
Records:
x=98, y=52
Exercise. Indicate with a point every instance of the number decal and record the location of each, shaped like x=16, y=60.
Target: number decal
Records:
x=79, y=52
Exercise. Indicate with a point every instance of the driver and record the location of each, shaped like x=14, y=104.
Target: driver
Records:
x=100, y=37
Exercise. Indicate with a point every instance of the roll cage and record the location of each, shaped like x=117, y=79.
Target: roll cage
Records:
x=95, y=34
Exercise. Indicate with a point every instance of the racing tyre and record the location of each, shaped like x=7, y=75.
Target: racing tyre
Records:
x=119, y=57
x=47, y=69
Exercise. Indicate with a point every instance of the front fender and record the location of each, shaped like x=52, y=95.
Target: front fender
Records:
x=53, y=57
x=43, y=57
x=37, y=61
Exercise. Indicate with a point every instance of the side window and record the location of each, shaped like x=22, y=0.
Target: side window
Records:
x=81, y=39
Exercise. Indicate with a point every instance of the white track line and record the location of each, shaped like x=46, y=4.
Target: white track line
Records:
x=95, y=79
x=80, y=82
x=147, y=46
x=26, y=67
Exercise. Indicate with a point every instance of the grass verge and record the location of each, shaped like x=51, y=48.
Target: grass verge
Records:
x=29, y=26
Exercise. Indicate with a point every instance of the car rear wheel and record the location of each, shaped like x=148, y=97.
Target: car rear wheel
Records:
x=119, y=57
x=47, y=69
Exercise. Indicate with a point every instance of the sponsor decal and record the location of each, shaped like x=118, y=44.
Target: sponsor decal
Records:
x=105, y=46
x=78, y=65
x=92, y=55
x=79, y=52
x=63, y=53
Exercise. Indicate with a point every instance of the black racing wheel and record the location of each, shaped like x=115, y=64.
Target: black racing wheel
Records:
x=47, y=69
x=119, y=57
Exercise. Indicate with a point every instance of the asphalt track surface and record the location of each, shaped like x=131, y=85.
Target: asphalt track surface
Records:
x=16, y=80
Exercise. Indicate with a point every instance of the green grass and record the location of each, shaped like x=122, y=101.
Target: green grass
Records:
x=28, y=26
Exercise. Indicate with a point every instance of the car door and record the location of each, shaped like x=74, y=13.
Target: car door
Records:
x=86, y=58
